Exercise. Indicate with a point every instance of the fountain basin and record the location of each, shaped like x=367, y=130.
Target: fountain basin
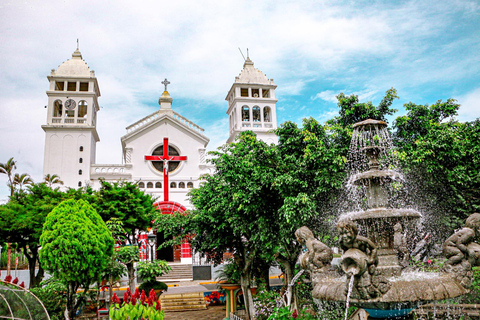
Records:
x=407, y=292
x=381, y=214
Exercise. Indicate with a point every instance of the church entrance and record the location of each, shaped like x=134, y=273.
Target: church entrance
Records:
x=170, y=253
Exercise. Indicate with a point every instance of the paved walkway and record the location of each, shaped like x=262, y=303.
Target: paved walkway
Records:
x=211, y=313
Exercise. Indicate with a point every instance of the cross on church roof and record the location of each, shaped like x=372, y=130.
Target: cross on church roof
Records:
x=165, y=83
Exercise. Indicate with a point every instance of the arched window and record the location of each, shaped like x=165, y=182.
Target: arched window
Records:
x=158, y=185
x=82, y=109
x=190, y=185
x=81, y=148
x=57, y=108
x=80, y=172
x=245, y=113
x=79, y=183
x=80, y=160
x=256, y=114
x=267, y=114
x=150, y=185
x=173, y=185
x=181, y=185
x=141, y=185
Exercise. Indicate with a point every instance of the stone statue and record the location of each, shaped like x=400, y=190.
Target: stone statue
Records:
x=360, y=260
x=462, y=252
x=318, y=255
x=400, y=245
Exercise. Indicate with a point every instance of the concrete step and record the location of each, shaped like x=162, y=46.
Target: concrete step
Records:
x=179, y=271
x=183, y=301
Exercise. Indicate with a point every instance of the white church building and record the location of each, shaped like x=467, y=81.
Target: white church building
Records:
x=164, y=152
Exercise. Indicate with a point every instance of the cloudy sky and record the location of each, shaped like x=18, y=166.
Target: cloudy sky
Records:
x=427, y=50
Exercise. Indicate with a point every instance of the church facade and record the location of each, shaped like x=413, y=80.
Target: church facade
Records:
x=164, y=152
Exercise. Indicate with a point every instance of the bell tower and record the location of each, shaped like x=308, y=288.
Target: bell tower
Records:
x=252, y=104
x=71, y=132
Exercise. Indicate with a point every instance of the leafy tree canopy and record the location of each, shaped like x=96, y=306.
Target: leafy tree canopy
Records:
x=76, y=246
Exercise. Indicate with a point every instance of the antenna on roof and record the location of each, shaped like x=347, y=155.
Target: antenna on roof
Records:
x=242, y=53
x=247, y=54
x=77, y=44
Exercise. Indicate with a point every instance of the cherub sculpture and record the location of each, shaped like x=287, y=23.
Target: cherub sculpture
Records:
x=360, y=260
x=400, y=245
x=462, y=252
x=318, y=255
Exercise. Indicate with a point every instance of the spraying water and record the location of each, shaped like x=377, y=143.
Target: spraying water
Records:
x=350, y=288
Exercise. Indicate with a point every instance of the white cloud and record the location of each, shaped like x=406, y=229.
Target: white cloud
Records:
x=470, y=105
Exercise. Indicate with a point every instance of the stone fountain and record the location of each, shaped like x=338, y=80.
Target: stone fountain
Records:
x=375, y=256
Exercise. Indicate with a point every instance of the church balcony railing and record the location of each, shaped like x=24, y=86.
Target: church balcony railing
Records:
x=69, y=120
x=257, y=125
x=155, y=115
x=268, y=125
x=56, y=120
x=81, y=121
x=189, y=123
x=108, y=169
x=246, y=125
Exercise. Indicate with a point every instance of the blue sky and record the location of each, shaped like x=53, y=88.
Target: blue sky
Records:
x=427, y=50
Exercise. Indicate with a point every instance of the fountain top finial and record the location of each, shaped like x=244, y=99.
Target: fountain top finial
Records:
x=370, y=122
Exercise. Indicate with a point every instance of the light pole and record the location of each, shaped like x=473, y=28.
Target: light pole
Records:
x=151, y=242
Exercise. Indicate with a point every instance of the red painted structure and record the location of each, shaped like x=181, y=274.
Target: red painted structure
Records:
x=165, y=158
x=171, y=207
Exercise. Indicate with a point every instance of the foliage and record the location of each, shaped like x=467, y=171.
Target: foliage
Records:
x=52, y=293
x=8, y=168
x=115, y=270
x=445, y=155
x=284, y=313
x=155, y=285
x=136, y=307
x=265, y=303
x=76, y=247
x=125, y=201
x=150, y=270
x=352, y=111
x=173, y=227
x=235, y=207
x=230, y=273
x=22, y=219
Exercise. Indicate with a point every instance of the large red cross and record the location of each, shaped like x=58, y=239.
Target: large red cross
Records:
x=165, y=158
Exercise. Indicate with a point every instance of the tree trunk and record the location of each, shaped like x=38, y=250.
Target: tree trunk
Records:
x=9, y=257
x=290, y=292
x=32, y=262
x=71, y=293
x=131, y=276
x=245, y=282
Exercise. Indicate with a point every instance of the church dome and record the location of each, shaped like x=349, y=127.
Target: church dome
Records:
x=251, y=75
x=74, y=67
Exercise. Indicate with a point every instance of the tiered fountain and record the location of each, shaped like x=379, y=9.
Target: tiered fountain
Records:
x=371, y=258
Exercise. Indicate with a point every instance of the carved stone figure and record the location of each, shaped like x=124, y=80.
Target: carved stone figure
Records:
x=400, y=245
x=360, y=260
x=318, y=255
x=462, y=252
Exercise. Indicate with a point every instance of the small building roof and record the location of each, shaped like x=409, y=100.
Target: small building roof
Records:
x=74, y=67
x=250, y=74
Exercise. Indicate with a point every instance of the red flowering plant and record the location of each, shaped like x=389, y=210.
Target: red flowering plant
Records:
x=136, y=307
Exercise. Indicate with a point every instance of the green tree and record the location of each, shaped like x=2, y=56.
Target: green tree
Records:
x=8, y=168
x=22, y=219
x=235, y=207
x=310, y=172
x=134, y=208
x=51, y=179
x=445, y=156
x=76, y=247
x=21, y=180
